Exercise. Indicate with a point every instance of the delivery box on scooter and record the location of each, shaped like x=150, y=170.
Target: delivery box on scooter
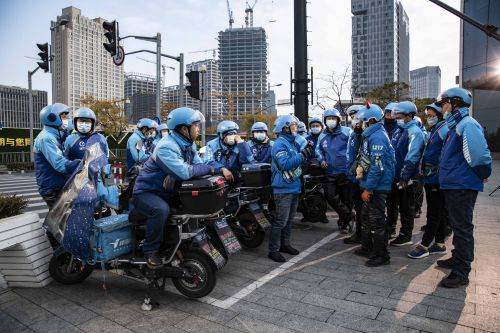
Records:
x=111, y=237
x=203, y=196
x=256, y=175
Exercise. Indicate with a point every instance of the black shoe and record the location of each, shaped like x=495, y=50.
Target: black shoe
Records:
x=446, y=263
x=449, y=232
x=288, y=249
x=378, y=261
x=276, y=256
x=153, y=260
x=401, y=240
x=454, y=281
x=354, y=239
x=422, y=228
x=324, y=219
x=362, y=252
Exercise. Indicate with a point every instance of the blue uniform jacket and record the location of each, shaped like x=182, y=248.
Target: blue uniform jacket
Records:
x=314, y=139
x=76, y=144
x=432, y=152
x=286, y=165
x=465, y=157
x=52, y=168
x=136, y=149
x=261, y=152
x=408, y=142
x=332, y=148
x=227, y=157
x=377, y=147
x=174, y=159
x=353, y=145
x=390, y=127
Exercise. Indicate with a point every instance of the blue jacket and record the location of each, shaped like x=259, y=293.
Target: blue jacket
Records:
x=52, y=168
x=314, y=139
x=76, y=144
x=227, y=157
x=377, y=147
x=136, y=149
x=261, y=152
x=390, y=127
x=432, y=152
x=408, y=142
x=465, y=157
x=174, y=158
x=353, y=145
x=332, y=148
x=286, y=165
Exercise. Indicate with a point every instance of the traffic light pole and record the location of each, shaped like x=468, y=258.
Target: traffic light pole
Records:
x=31, y=115
x=181, y=80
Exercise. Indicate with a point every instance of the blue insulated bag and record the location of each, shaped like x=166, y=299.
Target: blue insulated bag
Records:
x=111, y=237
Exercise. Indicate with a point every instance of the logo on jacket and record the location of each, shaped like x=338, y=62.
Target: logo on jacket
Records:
x=120, y=243
x=325, y=144
x=82, y=144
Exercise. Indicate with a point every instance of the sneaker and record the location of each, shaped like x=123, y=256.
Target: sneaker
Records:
x=378, y=261
x=276, y=256
x=437, y=249
x=153, y=260
x=454, y=281
x=419, y=252
x=446, y=263
x=352, y=240
x=362, y=252
x=401, y=240
x=288, y=249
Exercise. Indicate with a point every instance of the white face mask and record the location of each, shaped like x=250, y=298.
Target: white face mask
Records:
x=259, y=136
x=331, y=123
x=230, y=140
x=84, y=127
x=65, y=123
x=164, y=133
x=401, y=122
x=431, y=121
x=355, y=122
x=150, y=135
x=315, y=130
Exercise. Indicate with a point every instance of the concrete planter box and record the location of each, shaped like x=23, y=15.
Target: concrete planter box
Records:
x=25, y=252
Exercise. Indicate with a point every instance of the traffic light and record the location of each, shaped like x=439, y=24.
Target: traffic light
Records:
x=44, y=56
x=194, y=80
x=112, y=36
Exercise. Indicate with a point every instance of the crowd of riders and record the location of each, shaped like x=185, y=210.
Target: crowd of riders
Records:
x=376, y=166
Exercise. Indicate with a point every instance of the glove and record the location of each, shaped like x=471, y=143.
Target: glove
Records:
x=306, y=152
x=365, y=196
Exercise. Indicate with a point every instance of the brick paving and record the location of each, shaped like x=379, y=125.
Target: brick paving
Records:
x=328, y=291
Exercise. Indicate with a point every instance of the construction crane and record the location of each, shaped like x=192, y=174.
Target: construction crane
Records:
x=204, y=51
x=230, y=14
x=249, y=14
x=163, y=68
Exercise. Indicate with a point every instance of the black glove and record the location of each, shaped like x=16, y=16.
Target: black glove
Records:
x=306, y=152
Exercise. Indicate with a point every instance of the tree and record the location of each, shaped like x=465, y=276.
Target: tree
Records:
x=338, y=84
x=110, y=115
x=389, y=92
x=166, y=107
x=249, y=120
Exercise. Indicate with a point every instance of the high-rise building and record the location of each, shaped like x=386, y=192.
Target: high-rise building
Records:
x=81, y=66
x=380, y=44
x=211, y=85
x=243, y=68
x=480, y=67
x=144, y=86
x=425, y=82
x=171, y=96
x=14, y=107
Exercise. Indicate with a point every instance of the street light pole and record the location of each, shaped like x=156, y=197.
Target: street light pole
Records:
x=30, y=110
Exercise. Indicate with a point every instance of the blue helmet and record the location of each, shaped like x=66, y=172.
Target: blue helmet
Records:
x=84, y=113
x=315, y=120
x=50, y=115
x=146, y=122
x=331, y=113
x=301, y=127
x=227, y=126
x=370, y=111
x=457, y=96
x=390, y=107
x=406, y=108
x=183, y=116
x=353, y=109
x=434, y=107
x=283, y=122
x=259, y=126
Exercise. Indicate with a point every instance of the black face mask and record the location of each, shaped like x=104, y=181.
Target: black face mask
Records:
x=391, y=121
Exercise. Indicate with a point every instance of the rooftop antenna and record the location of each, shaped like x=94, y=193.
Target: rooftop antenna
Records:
x=230, y=14
x=249, y=14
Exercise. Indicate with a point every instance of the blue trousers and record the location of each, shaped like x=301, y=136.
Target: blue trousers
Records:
x=281, y=229
x=156, y=210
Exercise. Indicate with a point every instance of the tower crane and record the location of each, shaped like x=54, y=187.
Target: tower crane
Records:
x=163, y=68
x=230, y=14
x=249, y=14
x=214, y=51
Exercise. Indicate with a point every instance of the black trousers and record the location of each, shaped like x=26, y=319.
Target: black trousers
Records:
x=402, y=202
x=435, y=229
x=356, y=201
x=419, y=197
x=51, y=199
x=338, y=195
x=373, y=226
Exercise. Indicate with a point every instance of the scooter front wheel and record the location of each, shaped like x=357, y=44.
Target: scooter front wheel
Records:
x=66, y=270
x=254, y=236
x=202, y=278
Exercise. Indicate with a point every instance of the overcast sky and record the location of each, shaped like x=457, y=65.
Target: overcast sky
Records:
x=191, y=25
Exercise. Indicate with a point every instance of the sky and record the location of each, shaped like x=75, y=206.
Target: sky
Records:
x=192, y=25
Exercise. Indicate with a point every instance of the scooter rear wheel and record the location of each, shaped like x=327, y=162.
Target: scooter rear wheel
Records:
x=203, y=281
x=255, y=236
x=61, y=272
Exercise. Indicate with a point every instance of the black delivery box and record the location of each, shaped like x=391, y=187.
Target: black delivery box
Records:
x=203, y=196
x=256, y=175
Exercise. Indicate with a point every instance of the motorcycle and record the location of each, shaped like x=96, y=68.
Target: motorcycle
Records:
x=312, y=203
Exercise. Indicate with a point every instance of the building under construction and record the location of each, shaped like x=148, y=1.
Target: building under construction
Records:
x=243, y=67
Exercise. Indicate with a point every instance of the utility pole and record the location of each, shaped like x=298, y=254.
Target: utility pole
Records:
x=181, y=79
x=31, y=116
x=300, y=59
x=158, y=75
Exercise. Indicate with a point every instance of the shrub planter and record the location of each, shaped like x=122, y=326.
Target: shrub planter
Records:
x=25, y=251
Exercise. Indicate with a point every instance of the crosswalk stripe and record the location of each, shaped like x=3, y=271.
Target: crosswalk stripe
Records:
x=20, y=191
x=21, y=194
x=6, y=181
x=40, y=204
x=15, y=186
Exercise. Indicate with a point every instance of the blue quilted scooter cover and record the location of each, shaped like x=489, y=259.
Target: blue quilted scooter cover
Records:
x=111, y=238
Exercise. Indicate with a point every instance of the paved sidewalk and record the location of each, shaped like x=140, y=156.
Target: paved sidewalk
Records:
x=330, y=290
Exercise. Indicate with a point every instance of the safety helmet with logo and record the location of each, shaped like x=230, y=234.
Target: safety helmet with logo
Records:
x=51, y=114
x=458, y=97
x=283, y=122
x=226, y=127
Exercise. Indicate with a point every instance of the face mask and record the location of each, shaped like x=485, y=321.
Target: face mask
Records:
x=84, y=127
x=401, y=122
x=230, y=140
x=150, y=135
x=331, y=123
x=431, y=121
x=259, y=136
x=447, y=115
x=355, y=122
x=64, y=124
x=164, y=133
x=315, y=130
